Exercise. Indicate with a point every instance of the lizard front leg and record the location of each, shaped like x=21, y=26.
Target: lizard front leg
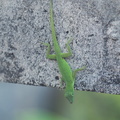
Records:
x=75, y=71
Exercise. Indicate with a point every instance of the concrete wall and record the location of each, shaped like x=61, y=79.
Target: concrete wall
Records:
x=94, y=26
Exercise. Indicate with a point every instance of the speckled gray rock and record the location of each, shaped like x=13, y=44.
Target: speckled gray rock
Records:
x=94, y=26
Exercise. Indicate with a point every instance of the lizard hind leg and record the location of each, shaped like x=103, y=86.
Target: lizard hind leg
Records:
x=69, y=53
x=48, y=55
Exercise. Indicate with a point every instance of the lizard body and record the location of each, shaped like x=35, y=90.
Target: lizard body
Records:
x=68, y=76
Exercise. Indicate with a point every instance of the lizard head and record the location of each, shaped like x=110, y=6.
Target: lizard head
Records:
x=69, y=96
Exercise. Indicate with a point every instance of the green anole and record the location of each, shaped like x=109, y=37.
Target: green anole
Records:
x=68, y=76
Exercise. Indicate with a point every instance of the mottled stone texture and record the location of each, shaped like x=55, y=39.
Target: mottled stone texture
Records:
x=94, y=26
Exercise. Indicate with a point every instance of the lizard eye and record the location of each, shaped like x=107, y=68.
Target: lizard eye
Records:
x=69, y=96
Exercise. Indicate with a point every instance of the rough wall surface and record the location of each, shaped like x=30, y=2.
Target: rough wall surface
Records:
x=94, y=26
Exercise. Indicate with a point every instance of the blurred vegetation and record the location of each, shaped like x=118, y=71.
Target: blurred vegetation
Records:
x=95, y=106
x=38, y=115
x=86, y=106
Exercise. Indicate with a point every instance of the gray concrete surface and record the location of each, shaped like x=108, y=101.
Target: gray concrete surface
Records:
x=94, y=26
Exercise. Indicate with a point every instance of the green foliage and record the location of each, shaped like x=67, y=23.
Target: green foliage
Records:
x=94, y=106
x=38, y=115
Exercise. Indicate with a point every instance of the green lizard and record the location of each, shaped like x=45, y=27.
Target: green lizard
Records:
x=67, y=75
